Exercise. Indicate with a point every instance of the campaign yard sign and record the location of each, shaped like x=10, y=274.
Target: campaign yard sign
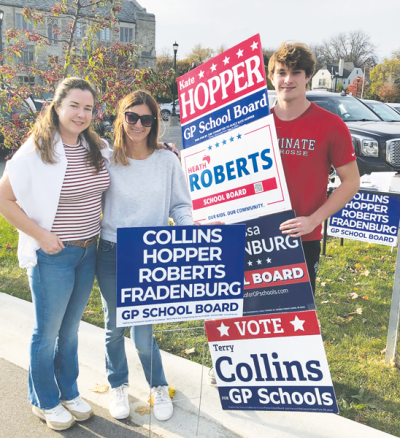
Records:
x=231, y=155
x=276, y=276
x=237, y=176
x=223, y=93
x=272, y=363
x=368, y=217
x=179, y=273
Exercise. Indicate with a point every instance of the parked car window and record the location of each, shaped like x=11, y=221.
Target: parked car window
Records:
x=384, y=112
x=347, y=108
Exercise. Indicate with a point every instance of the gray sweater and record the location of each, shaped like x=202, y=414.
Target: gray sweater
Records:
x=145, y=194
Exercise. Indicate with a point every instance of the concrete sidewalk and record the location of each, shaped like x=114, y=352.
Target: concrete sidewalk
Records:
x=16, y=322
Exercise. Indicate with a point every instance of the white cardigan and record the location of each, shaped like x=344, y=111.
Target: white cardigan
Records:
x=37, y=187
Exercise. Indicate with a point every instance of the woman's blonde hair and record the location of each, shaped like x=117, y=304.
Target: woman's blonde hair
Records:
x=136, y=98
x=47, y=124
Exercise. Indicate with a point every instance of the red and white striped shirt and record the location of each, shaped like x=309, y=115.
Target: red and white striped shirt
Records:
x=78, y=212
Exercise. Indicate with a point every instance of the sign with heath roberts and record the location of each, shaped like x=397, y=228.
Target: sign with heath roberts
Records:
x=271, y=363
x=179, y=273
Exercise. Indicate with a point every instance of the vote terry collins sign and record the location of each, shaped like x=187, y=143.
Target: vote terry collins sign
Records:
x=179, y=273
x=271, y=362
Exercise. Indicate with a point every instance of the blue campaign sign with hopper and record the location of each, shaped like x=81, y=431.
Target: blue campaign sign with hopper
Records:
x=179, y=273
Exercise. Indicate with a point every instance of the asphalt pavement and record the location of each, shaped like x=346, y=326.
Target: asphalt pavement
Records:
x=17, y=420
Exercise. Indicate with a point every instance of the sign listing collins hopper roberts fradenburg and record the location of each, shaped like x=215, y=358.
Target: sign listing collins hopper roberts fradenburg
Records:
x=231, y=158
x=180, y=273
x=271, y=362
x=368, y=217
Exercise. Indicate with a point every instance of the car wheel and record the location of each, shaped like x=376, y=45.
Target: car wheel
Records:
x=165, y=115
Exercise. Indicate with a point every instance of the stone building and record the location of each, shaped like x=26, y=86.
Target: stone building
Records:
x=135, y=25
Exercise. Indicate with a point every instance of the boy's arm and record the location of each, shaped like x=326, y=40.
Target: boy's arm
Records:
x=350, y=183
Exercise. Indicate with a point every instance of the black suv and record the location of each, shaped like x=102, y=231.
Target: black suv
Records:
x=376, y=143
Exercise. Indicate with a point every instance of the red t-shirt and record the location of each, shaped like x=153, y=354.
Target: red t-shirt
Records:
x=309, y=145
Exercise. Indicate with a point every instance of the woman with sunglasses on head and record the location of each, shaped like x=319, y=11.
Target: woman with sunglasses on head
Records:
x=51, y=191
x=147, y=187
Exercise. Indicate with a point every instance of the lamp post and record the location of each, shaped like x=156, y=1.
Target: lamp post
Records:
x=174, y=115
x=358, y=80
x=1, y=35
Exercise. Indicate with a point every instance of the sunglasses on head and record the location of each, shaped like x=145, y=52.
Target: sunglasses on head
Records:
x=132, y=118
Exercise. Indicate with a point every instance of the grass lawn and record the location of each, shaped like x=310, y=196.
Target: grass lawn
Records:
x=353, y=297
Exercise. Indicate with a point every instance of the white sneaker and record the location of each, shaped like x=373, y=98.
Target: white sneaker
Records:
x=162, y=404
x=80, y=409
x=57, y=418
x=119, y=404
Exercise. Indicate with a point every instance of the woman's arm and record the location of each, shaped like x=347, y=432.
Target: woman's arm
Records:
x=181, y=202
x=13, y=213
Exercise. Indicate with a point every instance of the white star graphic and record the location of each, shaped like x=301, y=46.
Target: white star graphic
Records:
x=268, y=260
x=213, y=67
x=239, y=53
x=254, y=45
x=226, y=60
x=259, y=262
x=201, y=74
x=250, y=263
x=223, y=329
x=298, y=324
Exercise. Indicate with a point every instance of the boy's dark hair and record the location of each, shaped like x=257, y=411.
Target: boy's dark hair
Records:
x=294, y=55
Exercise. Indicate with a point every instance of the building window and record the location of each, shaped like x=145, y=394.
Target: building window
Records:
x=80, y=30
x=21, y=23
x=25, y=80
x=125, y=35
x=104, y=34
x=28, y=54
x=321, y=82
x=53, y=37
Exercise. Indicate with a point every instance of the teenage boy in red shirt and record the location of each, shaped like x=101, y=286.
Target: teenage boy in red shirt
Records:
x=311, y=139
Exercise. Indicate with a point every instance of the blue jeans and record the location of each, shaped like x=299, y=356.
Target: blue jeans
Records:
x=142, y=336
x=61, y=284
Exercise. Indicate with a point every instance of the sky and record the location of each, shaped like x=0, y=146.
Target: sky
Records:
x=228, y=22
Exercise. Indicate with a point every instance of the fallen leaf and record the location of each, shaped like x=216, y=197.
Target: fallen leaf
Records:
x=363, y=355
x=323, y=283
x=8, y=245
x=341, y=279
x=364, y=320
x=357, y=265
x=359, y=311
x=354, y=295
x=350, y=318
x=188, y=351
x=324, y=302
x=324, y=344
x=336, y=301
x=100, y=388
x=383, y=328
x=366, y=272
x=365, y=298
x=356, y=288
x=172, y=391
x=142, y=410
x=318, y=279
